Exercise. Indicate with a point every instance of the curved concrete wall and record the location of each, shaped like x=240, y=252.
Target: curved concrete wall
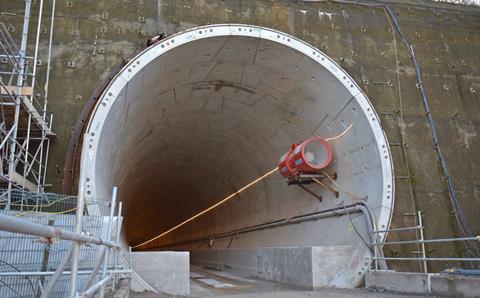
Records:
x=202, y=113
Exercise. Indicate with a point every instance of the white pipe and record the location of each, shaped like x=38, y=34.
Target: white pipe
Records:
x=16, y=225
x=109, y=235
x=117, y=240
x=57, y=273
x=92, y=276
x=8, y=135
x=99, y=285
x=37, y=41
x=49, y=273
x=48, y=61
x=21, y=61
x=78, y=221
x=27, y=140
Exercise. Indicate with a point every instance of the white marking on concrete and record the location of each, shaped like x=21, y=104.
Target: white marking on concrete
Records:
x=215, y=283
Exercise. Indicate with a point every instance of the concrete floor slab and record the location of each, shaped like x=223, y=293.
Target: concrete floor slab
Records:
x=251, y=287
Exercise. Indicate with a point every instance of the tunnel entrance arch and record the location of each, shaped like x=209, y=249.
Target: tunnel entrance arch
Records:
x=203, y=112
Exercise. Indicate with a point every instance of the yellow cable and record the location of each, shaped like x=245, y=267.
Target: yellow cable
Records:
x=44, y=212
x=340, y=135
x=209, y=208
x=42, y=206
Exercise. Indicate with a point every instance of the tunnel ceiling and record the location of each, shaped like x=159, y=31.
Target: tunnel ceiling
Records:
x=202, y=113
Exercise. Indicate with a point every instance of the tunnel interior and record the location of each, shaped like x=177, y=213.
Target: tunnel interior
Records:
x=199, y=115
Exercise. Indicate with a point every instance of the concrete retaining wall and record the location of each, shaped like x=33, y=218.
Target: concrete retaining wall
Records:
x=309, y=267
x=165, y=271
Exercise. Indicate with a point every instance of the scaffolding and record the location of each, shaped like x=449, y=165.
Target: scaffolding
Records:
x=25, y=123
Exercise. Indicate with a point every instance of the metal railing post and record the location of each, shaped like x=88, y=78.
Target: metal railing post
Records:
x=130, y=266
x=21, y=62
x=130, y=258
x=109, y=235
x=117, y=240
x=99, y=263
x=375, y=248
x=37, y=40
x=58, y=273
x=45, y=259
x=420, y=223
x=78, y=218
x=52, y=21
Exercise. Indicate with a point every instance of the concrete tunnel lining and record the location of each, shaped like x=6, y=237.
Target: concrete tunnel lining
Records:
x=203, y=112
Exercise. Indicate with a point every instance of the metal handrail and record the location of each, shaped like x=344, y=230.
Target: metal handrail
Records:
x=15, y=225
x=428, y=259
x=49, y=273
x=423, y=258
x=477, y=238
x=399, y=229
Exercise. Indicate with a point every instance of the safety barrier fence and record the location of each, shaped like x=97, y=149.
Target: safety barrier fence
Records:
x=37, y=239
x=422, y=256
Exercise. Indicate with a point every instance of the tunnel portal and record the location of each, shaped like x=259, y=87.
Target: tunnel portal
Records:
x=196, y=116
